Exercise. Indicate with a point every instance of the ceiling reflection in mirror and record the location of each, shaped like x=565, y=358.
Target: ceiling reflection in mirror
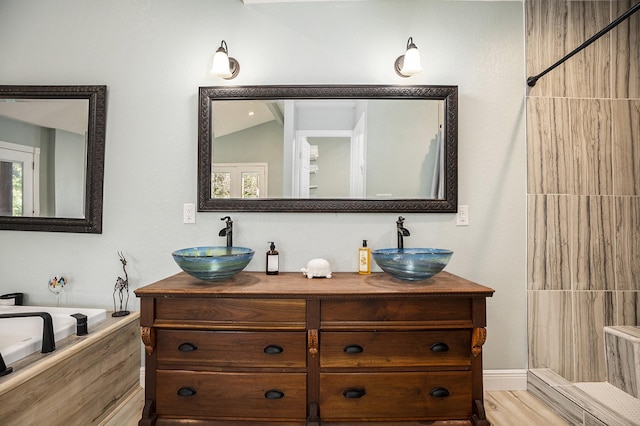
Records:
x=51, y=157
x=328, y=148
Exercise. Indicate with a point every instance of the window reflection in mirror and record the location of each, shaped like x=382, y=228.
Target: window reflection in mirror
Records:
x=239, y=180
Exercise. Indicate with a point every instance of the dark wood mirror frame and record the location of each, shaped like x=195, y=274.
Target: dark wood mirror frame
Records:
x=92, y=221
x=448, y=94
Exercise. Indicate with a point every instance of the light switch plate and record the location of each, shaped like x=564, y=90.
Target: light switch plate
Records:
x=462, y=217
x=189, y=213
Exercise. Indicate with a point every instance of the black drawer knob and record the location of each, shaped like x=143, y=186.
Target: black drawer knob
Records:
x=353, y=349
x=273, y=349
x=274, y=394
x=439, y=347
x=439, y=392
x=187, y=347
x=354, y=393
x=187, y=391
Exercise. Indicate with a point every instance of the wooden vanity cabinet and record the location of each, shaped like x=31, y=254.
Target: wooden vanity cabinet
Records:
x=285, y=350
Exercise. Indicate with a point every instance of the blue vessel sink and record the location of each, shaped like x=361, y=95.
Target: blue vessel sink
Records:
x=412, y=264
x=213, y=263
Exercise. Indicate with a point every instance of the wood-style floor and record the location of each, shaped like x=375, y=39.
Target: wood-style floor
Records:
x=514, y=408
x=503, y=408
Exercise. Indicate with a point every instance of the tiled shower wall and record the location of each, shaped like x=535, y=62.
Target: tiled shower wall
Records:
x=583, y=139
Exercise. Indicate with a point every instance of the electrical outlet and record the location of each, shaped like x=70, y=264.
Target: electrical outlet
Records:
x=462, y=218
x=189, y=213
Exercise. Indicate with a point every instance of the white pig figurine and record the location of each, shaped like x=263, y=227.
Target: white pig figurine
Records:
x=317, y=268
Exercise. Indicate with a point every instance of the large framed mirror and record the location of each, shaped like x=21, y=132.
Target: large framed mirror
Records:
x=52, y=141
x=328, y=148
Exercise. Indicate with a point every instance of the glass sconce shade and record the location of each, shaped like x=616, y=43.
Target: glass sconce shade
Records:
x=220, y=66
x=409, y=63
x=223, y=65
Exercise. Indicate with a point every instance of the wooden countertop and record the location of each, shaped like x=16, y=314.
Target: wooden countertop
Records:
x=292, y=285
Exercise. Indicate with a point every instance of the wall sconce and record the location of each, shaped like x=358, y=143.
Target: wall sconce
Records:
x=223, y=65
x=409, y=63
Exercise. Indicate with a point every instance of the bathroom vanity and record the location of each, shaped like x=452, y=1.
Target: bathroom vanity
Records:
x=283, y=349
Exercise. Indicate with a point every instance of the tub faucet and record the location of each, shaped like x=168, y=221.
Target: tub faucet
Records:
x=402, y=231
x=48, y=339
x=227, y=231
x=81, y=324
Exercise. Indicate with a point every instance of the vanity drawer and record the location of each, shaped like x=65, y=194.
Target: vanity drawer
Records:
x=225, y=395
x=224, y=312
x=395, y=396
x=186, y=349
x=445, y=311
x=447, y=348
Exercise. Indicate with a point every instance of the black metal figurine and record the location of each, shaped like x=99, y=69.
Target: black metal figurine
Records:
x=122, y=287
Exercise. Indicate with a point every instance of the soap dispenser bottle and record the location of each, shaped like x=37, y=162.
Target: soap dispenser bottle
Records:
x=364, y=259
x=272, y=260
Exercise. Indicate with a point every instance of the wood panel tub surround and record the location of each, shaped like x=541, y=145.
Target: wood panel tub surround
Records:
x=83, y=382
x=283, y=349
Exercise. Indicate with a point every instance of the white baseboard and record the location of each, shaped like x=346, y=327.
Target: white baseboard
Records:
x=504, y=380
x=494, y=380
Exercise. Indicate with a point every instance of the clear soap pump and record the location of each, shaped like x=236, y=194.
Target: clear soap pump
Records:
x=272, y=260
x=364, y=259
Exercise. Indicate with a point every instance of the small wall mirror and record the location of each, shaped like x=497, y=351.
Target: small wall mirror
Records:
x=328, y=148
x=52, y=158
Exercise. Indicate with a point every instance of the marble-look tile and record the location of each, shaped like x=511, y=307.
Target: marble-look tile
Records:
x=555, y=28
x=622, y=347
x=628, y=308
x=591, y=143
x=593, y=310
x=591, y=241
x=626, y=150
x=584, y=146
x=544, y=384
x=588, y=72
x=627, y=244
x=592, y=403
x=545, y=43
x=548, y=243
x=550, y=331
x=625, y=55
x=549, y=154
x=590, y=420
x=546, y=377
x=605, y=402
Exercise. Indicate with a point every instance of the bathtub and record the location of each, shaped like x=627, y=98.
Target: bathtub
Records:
x=20, y=337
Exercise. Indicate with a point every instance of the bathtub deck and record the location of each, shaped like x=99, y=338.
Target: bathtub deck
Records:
x=22, y=337
x=82, y=380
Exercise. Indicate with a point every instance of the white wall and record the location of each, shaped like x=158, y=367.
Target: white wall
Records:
x=154, y=54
